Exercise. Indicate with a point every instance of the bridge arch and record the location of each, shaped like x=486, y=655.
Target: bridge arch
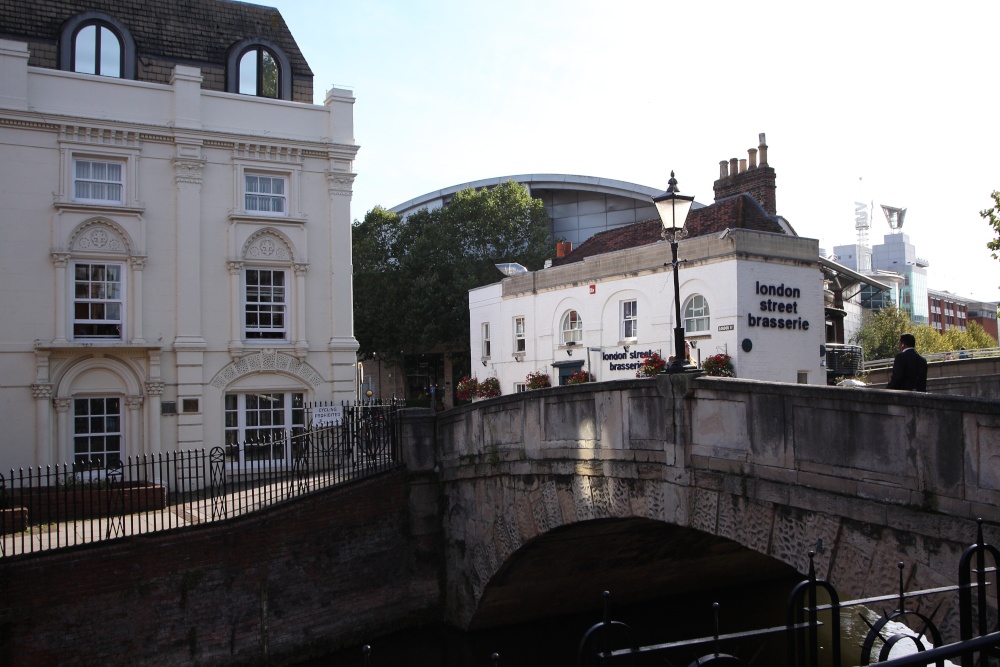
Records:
x=756, y=464
x=565, y=571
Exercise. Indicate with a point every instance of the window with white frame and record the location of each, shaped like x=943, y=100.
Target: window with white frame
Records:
x=520, y=387
x=696, y=315
x=97, y=49
x=486, y=339
x=98, y=303
x=630, y=320
x=265, y=194
x=572, y=327
x=265, y=304
x=520, y=345
x=97, y=431
x=264, y=426
x=98, y=181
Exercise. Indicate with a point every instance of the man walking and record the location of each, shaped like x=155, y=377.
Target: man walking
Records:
x=909, y=369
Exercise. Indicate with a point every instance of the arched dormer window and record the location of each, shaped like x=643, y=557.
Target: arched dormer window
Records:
x=259, y=68
x=96, y=43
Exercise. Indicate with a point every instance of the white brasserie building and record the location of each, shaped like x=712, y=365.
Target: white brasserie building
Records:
x=750, y=288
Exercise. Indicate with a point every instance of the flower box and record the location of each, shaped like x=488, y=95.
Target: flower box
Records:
x=13, y=520
x=47, y=504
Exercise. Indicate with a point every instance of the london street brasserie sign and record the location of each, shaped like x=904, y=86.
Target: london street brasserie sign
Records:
x=779, y=313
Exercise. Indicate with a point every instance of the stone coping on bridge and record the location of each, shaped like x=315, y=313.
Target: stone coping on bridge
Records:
x=931, y=451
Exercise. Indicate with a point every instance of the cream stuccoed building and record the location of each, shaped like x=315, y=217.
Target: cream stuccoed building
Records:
x=176, y=226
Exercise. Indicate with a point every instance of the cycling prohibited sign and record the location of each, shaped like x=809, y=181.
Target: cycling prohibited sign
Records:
x=327, y=415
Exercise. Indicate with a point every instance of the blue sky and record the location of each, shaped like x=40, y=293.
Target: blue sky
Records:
x=891, y=102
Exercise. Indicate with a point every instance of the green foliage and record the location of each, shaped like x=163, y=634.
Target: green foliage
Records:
x=973, y=338
x=977, y=338
x=412, y=278
x=992, y=217
x=879, y=333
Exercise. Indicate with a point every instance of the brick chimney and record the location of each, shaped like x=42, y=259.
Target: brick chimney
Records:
x=563, y=248
x=737, y=176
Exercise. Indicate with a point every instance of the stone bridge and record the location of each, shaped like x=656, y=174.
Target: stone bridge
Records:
x=661, y=486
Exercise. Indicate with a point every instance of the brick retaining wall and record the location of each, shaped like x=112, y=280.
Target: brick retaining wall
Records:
x=327, y=571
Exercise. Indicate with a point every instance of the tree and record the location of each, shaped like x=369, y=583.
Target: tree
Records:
x=992, y=216
x=412, y=277
x=879, y=332
x=973, y=338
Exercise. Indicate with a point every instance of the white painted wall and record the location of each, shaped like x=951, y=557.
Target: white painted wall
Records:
x=727, y=272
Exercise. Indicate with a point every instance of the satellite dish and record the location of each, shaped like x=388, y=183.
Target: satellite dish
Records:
x=511, y=268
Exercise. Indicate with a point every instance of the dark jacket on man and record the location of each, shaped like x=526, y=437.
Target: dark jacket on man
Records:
x=909, y=371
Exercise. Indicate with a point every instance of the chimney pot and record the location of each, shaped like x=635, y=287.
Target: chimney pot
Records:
x=753, y=157
x=743, y=165
x=734, y=166
x=763, y=150
x=723, y=169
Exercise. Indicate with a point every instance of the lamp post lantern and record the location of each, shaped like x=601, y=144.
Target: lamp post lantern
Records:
x=673, y=208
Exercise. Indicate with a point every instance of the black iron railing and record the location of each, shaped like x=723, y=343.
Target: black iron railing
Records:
x=815, y=603
x=65, y=505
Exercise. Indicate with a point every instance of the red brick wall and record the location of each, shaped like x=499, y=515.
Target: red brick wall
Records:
x=332, y=570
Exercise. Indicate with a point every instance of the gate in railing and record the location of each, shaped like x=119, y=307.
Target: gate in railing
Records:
x=69, y=504
x=814, y=604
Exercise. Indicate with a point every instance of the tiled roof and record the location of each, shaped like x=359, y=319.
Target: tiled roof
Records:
x=193, y=31
x=738, y=212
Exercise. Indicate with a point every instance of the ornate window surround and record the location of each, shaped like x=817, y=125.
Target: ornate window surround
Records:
x=269, y=248
x=103, y=145
x=267, y=161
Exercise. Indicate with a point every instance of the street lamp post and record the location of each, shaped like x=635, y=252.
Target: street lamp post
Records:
x=673, y=208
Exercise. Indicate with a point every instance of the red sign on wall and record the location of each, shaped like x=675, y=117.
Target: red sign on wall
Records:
x=593, y=289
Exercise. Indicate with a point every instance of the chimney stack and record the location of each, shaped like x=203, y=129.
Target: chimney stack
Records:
x=750, y=175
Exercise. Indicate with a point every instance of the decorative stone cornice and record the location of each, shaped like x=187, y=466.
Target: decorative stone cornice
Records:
x=154, y=388
x=234, y=267
x=267, y=153
x=61, y=259
x=301, y=268
x=62, y=404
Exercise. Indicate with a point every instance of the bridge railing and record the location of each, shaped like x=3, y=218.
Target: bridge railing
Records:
x=952, y=355
x=907, y=635
x=77, y=503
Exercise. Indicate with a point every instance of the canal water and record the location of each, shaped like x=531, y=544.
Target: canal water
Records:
x=556, y=642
